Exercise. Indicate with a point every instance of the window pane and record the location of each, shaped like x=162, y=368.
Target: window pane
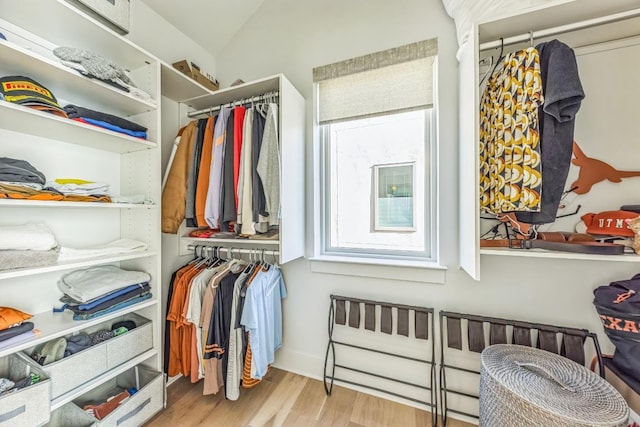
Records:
x=394, y=209
x=359, y=149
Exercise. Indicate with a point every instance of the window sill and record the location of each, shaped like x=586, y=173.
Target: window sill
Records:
x=402, y=270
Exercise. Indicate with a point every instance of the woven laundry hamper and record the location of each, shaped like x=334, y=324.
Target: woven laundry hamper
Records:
x=527, y=387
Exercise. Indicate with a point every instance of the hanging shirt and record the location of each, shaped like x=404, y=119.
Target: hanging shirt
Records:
x=194, y=312
x=234, y=359
x=202, y=185
x=563, y=95
x=238, y=127
x=212, y=365
x=190, y=214
x=262, y=317
x=245, y=182
x=259, y=204
x=228, y=196
x=212, y=205
x=269, y=165
x=510, y=167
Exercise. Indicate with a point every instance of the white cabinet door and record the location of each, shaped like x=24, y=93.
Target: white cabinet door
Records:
x=469, y=227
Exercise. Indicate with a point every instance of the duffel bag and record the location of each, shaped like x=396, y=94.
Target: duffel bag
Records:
x=618, y=305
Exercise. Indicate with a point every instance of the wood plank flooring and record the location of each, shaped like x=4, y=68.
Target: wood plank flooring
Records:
x=288, y=400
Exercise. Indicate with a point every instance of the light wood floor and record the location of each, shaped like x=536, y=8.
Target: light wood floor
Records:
x=286, y=399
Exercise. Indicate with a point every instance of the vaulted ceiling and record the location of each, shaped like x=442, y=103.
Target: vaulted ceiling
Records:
x=210, y=23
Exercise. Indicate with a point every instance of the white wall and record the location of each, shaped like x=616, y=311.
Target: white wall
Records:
x=292, y=37
x=156, y=35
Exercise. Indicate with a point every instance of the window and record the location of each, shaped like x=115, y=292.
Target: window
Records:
x=393, y=208
x=377, y=165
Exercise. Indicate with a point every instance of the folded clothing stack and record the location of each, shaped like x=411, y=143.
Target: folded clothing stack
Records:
x=13, y=328
x=29, y=245
x=99, y=290
x=79, y=187
x=20, y=180
x=97, y=67
x=104, y=120
x=119, y=246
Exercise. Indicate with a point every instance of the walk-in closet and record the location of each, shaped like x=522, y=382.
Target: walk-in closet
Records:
x=329, y=213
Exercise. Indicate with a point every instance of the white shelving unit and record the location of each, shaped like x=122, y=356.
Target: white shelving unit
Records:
x=63, y=148
x=291, y=128
x=580, y=24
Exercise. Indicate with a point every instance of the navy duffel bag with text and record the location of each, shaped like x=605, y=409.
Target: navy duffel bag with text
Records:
x=618, y=305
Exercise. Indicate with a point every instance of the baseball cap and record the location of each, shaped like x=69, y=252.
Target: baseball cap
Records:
x=608, y=223
x=26, y=91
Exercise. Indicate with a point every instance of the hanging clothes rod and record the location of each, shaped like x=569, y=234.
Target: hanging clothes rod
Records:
x=548, y=32
x=257, y=98
x=241, y=251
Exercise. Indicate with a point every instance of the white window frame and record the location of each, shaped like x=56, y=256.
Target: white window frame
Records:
x=375, y=208
x=322, y=236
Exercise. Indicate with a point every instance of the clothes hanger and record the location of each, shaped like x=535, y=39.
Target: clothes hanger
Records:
x=488, y=70
x=531, y=38
x=500, y=57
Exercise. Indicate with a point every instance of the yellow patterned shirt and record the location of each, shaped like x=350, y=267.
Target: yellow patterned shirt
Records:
x=510, y=167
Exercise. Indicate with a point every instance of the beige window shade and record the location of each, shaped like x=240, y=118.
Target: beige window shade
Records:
x=395, y=80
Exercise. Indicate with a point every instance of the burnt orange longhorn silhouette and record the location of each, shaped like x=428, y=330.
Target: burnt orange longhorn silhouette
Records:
x=593, y=171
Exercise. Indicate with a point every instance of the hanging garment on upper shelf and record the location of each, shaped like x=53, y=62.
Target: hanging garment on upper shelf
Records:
x=510, y=167
x=212, y=205
x=269, y=165
x=202, y=184
x=174, y=195
x=563, y=95
x=245, y=181
x=260, y=221
x=228, y=196
x=190, y=213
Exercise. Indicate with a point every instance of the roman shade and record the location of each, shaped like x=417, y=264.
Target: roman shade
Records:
x=391, y=81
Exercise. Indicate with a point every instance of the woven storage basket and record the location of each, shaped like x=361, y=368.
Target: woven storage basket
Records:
x=527, y=387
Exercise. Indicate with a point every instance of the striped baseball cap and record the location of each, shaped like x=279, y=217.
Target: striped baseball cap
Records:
x=26, y=91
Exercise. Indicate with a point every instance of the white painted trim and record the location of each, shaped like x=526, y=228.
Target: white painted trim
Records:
x=401, y=270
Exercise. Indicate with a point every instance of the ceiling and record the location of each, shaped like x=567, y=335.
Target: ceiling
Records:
x=210, y=23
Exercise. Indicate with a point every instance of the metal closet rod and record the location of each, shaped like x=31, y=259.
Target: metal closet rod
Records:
x=256, y=98
x=548, y=32
x=230, y=250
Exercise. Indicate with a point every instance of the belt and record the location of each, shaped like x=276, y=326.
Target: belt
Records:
x=558, y=241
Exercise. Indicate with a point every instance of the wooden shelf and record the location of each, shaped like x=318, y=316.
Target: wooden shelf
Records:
x=177, y=86
x=68, y=265
x=245, y=90
x=33, y=122
x=55, y=325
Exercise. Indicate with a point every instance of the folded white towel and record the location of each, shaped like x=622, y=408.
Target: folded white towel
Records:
x=36, y=237
x=115, y=247
x=93, y=282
